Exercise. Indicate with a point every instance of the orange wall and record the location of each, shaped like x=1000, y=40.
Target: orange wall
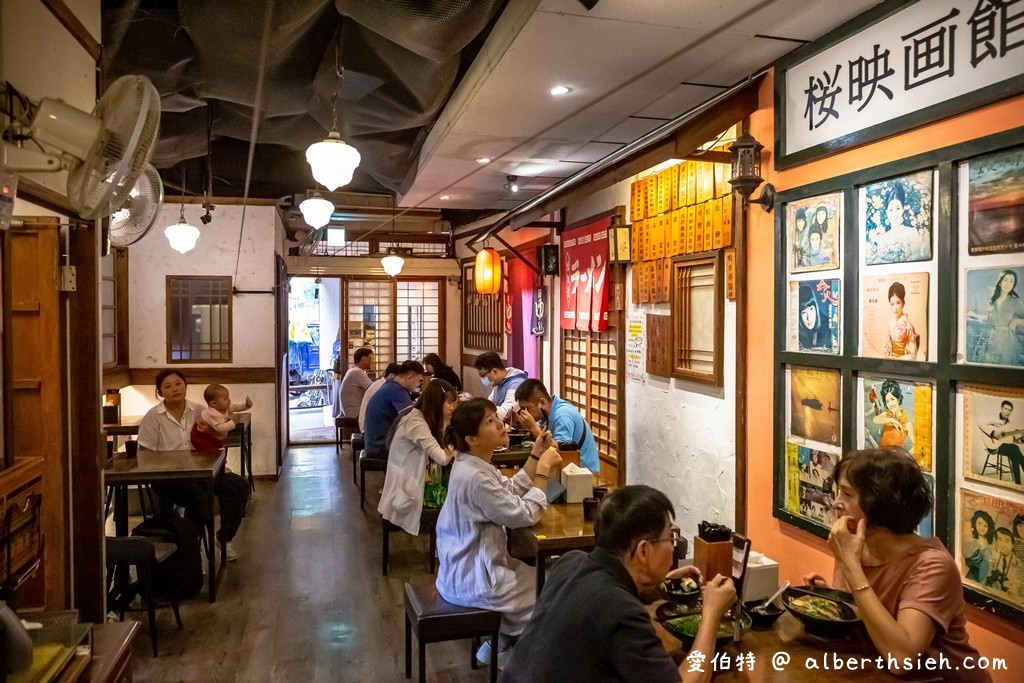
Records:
x=797, y=551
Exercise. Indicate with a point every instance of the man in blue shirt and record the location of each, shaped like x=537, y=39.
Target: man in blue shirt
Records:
x=393, y=397
x=538, y=407
x=502, y=381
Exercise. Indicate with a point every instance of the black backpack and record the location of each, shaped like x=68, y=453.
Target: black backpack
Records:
x=180, y=576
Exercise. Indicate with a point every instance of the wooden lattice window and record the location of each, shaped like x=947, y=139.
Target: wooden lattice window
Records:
x=590, y=380
x=370, y=319
x=418, y=319
x=697, y=314
x=483, y=316
x=198, y=319
x=114, y=308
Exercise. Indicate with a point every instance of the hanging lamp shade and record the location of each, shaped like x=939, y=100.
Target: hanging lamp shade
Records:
x=487, y=271
x=392, y=264
x=181, y=235
x=333, y=162
x=316, y=211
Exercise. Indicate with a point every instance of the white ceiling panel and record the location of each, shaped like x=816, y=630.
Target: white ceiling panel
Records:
x=592, y=151
x=701, y=15
x=630, y=129
x=679, y=101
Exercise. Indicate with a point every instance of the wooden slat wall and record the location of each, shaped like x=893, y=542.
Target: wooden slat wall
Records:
x=33, y=345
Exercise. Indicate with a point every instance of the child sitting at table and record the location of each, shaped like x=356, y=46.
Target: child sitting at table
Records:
x=217, y=419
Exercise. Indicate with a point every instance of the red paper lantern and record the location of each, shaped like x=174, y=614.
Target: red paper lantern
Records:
x=487, y=271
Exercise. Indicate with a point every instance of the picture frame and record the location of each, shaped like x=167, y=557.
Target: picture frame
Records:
x=814, y=226
x=815, y=406
x=894, y=316
x=897, y=215
x=994, y=315
x=993, y=441
x=995, y=198
x=897, y=413
x=814, y=315
x=990, y=528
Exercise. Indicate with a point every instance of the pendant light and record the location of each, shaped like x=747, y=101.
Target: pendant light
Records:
x=487, y=271
x=181, y=235
x=332, y=161
x=393, y=262
x=316, y=210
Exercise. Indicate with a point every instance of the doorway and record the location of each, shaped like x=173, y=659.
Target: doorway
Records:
x=313, y=305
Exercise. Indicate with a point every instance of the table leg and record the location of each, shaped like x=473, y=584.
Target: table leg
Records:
x=121, y=510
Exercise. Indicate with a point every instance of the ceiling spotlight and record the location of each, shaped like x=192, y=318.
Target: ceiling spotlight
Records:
x=560, y=90
x=511, y=183
x=483, y=160
x=445, y=196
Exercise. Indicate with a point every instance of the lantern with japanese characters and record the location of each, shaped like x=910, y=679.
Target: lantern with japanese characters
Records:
x=487, y=271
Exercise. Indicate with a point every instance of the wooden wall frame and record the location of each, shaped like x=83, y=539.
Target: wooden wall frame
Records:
x=225, y=280
x=947, y=374
x=684, y=317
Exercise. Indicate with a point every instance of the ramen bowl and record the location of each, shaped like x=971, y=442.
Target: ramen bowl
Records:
x=824, y=612
x=684, y=628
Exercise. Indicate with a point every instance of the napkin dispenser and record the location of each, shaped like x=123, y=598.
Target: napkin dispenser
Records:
x=762, y=577
x=578, y=483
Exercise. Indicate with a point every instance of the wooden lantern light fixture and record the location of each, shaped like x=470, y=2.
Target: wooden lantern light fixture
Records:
x=487, y=271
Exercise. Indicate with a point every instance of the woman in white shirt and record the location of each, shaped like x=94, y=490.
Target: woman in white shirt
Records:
x=475, y=569
x=167, y=427
x=417, y=440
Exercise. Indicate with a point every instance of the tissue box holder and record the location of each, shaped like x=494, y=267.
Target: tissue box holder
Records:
x=578, y=483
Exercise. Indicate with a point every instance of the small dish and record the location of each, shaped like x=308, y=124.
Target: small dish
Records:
x=679, y=591
x=761, y=616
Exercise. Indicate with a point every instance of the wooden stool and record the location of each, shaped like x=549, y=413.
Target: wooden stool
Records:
x=344, y=427
x=436, y=620
x=428, y=521
x=357, y=445
x=368, y=464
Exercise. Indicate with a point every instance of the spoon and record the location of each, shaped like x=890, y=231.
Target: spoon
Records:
x=775, y=596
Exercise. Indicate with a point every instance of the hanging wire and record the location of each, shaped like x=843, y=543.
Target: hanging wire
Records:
x=339, y=70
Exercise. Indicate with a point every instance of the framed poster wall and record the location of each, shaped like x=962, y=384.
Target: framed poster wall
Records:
x=908, y=331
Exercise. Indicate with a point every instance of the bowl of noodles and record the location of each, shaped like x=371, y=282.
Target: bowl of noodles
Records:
x=825, y=612
x=685, y=628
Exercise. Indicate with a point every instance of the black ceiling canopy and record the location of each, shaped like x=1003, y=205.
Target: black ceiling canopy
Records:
x=401, y=61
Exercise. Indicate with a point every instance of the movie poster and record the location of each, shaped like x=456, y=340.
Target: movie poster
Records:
x=995, y=316
x=814, y=316
x=895, y=316
x=995, y=190
x=898, y=219
x=815, y=405
x=813, y=227
x=991, y=545
x=926, y=528
x=994, y=435
x=898, y=413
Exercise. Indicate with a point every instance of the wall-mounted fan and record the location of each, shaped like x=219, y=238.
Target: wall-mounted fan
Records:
x=132, y=221
x=104, y=152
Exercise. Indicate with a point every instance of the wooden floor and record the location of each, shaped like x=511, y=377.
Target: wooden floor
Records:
x=306, y=600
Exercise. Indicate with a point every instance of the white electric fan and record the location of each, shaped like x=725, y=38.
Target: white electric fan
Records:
x=132, y=221
x=104, y=152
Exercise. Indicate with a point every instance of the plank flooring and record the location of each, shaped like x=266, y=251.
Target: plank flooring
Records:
x=306, y=600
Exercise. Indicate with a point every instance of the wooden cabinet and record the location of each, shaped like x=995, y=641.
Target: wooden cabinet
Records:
x=21, y=536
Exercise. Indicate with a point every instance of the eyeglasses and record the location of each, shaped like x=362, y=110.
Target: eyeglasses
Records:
x=485, y=373
x=675, y=538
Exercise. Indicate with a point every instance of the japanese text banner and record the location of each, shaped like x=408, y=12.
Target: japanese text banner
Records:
x=584, y=294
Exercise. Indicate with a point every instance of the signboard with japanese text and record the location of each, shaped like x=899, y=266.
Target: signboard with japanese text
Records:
x=904, y=65
x=584, y=291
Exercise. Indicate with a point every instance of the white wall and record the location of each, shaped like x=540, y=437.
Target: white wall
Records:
x=680, y=436
x=151, y=260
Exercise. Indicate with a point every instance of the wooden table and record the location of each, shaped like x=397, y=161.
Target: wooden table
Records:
x=514, y=458
x=166, y=467
x=787, y=639
x=561, y=528
x=240, y=436
x=111, y=658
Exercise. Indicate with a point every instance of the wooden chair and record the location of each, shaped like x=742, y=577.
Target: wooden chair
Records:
x=435, y=620
x=428, y=522
x=368, y=464
x=145, y=554
x=344, y=428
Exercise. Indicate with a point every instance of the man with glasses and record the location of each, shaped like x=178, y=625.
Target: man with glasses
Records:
x=502, y=381
x=596, y=597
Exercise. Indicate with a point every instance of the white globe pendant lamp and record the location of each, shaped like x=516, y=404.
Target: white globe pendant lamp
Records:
x=392, y=264
x=332, y=161
x=316, y=211
x=181, y=235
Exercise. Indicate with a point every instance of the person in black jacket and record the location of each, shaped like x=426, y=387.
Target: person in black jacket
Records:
x=436, y=367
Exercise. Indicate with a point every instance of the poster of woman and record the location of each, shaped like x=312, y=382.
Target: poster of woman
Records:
x=895, y=316
x=898, y=413
x=815, y=405
x=995, y=190
x=994, y=435
x=814, y=316
x=898, y=219
x=991, y=547
x=813, y=227
x=995, y=316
